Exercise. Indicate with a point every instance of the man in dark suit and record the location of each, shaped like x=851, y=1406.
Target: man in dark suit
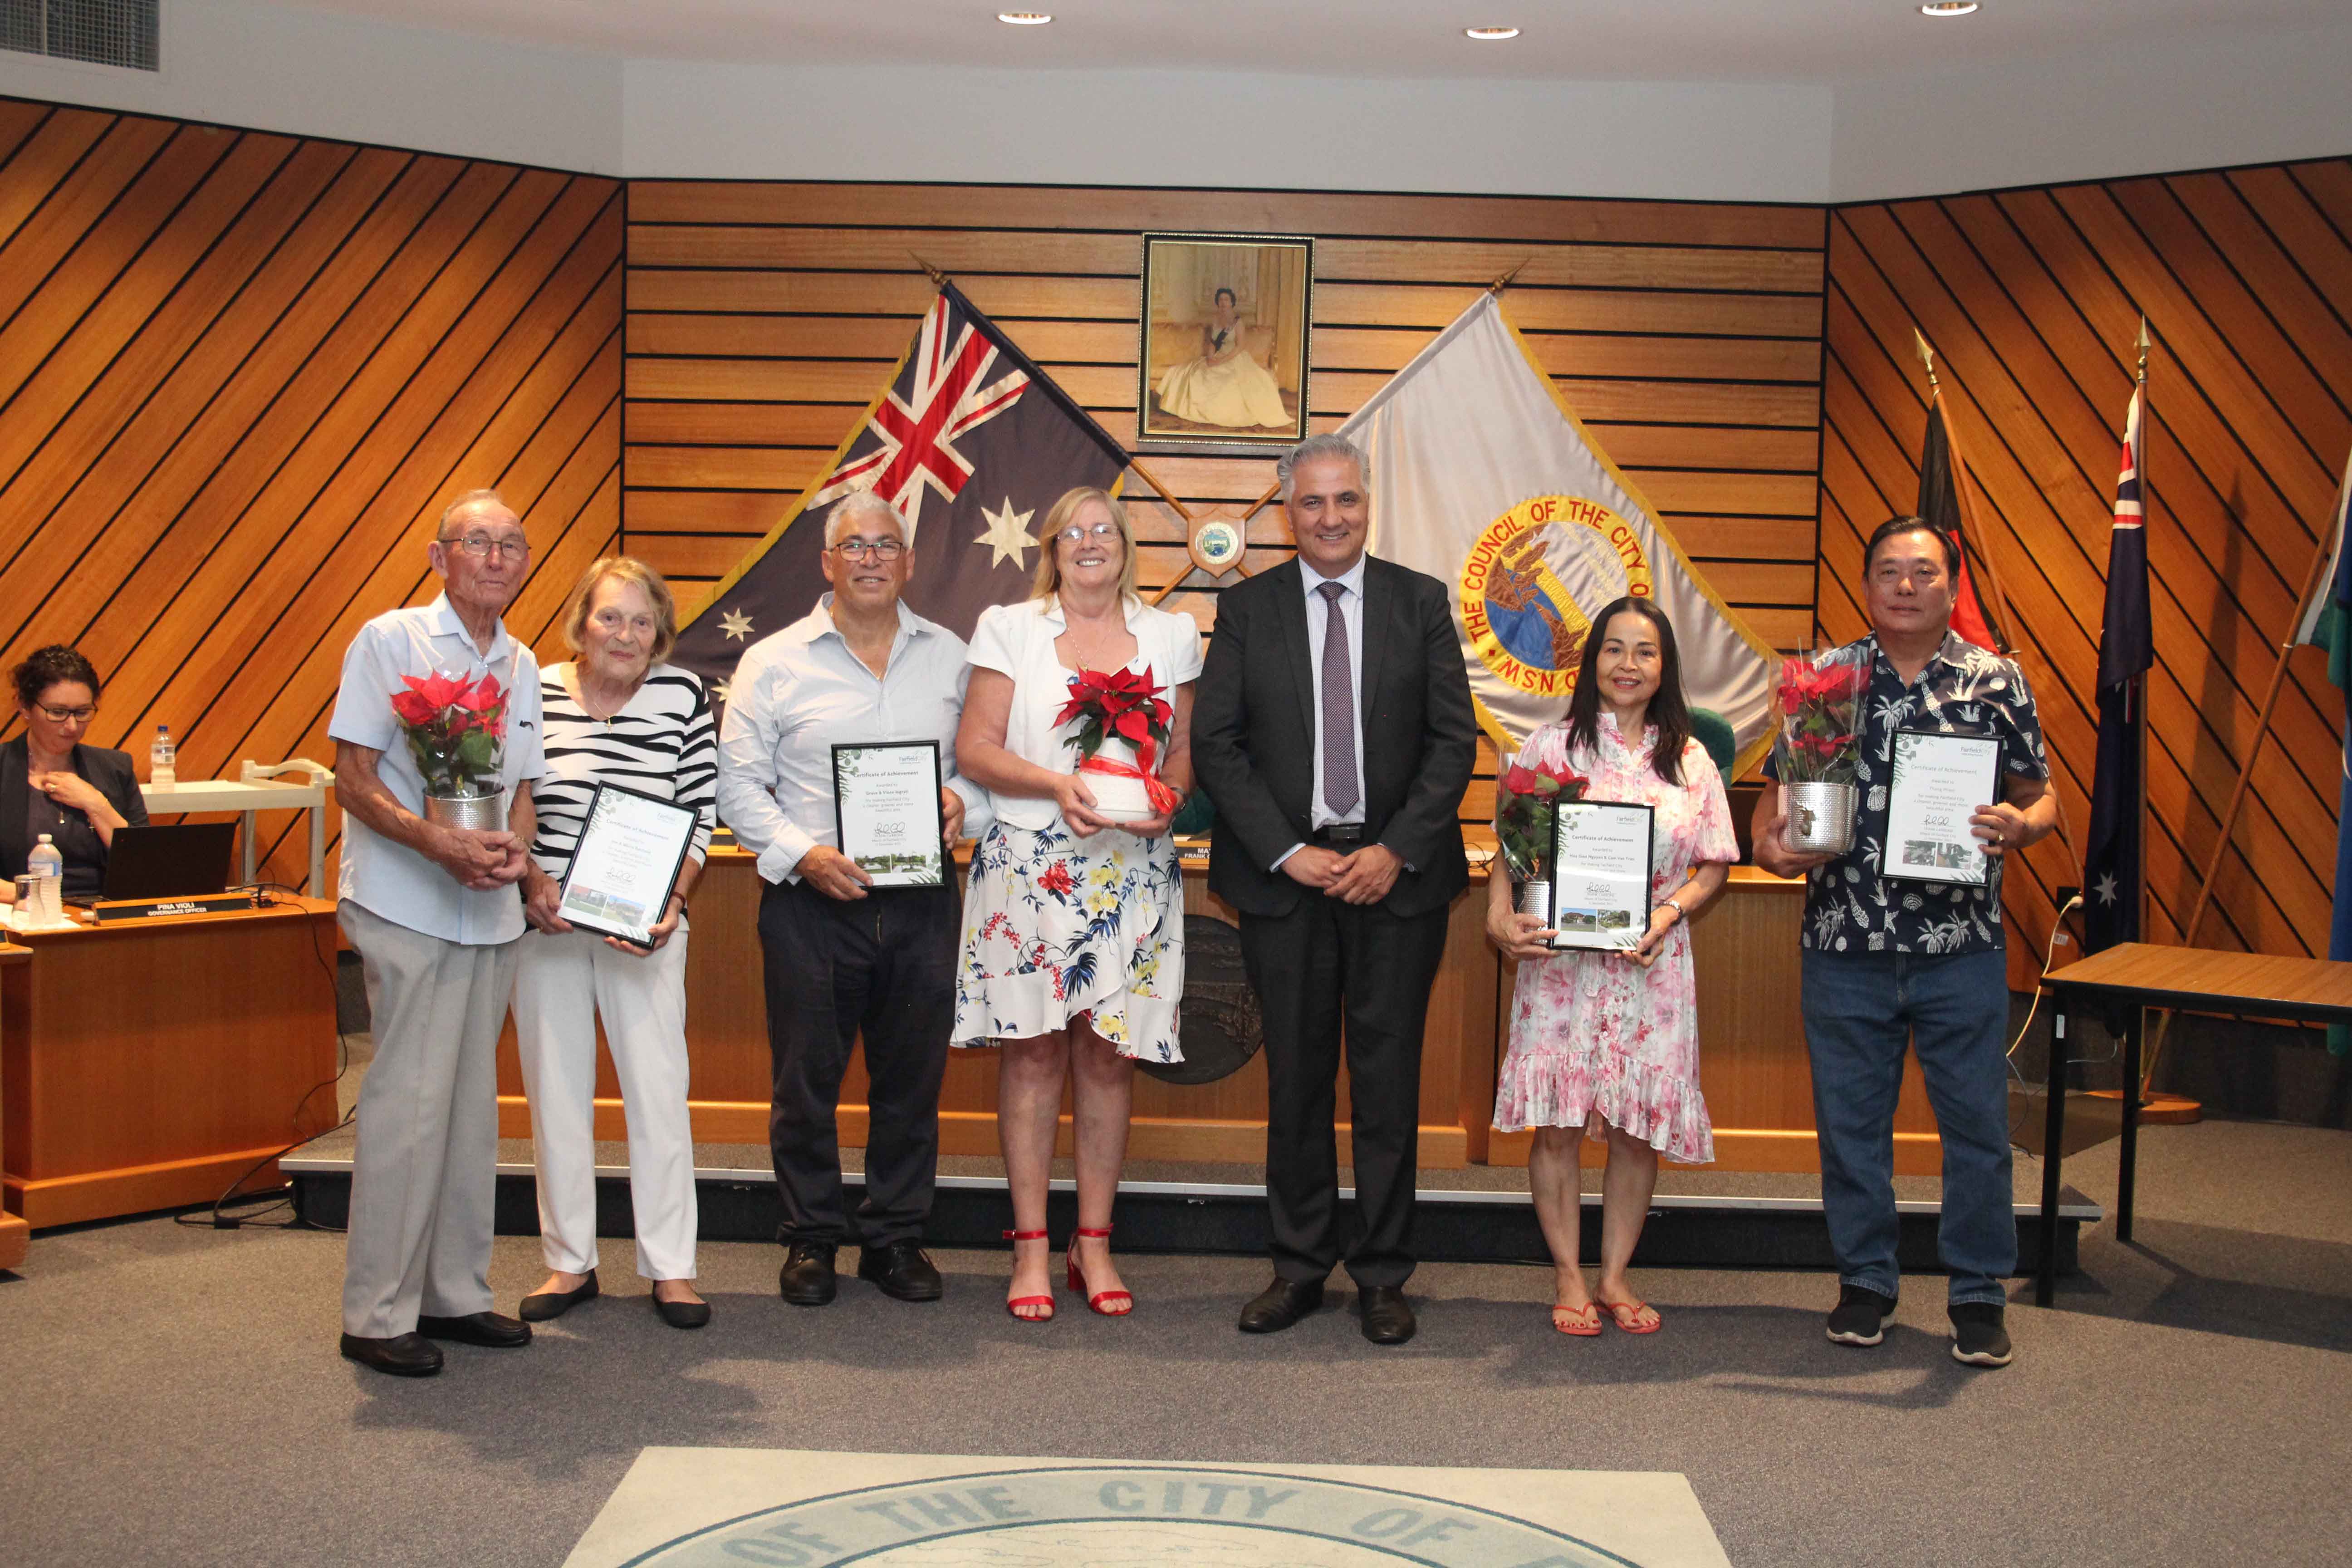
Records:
x=1332, y=728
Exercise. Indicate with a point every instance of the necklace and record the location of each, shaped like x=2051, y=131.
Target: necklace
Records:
x=580, y=690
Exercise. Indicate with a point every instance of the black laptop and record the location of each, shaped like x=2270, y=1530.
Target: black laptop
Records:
x=188, y=860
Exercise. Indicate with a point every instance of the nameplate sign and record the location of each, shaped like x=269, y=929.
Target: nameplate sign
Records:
x=139, y=911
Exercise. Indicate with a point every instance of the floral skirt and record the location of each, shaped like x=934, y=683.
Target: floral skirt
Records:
x=1596, y=1042
x=1058, y=928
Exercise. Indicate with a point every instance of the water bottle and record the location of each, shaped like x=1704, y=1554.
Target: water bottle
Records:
x=45, y=860
x=159, y=758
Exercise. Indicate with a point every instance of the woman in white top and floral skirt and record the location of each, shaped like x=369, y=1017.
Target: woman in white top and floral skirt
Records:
x=616, y=715
x=1073, y=923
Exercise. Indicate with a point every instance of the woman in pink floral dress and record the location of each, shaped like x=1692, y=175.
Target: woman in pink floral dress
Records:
x=1605, y=1044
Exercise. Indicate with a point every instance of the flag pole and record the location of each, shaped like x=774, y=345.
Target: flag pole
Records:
x=1971, y=497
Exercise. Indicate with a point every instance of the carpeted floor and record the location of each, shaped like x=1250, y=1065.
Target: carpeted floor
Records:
x=172, y=1394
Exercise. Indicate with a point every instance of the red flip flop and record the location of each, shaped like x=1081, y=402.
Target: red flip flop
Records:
x=1583, y=1322
x=1623, y=1314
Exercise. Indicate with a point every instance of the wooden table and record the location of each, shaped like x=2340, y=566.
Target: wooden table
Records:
x=15, y=1236
x=2134, y=977
x=1753, y=1060
x=149, y=1063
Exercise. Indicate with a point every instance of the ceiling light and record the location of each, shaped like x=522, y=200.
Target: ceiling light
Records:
x=1039, y=18
x=1490, y=35
x=1948, y=7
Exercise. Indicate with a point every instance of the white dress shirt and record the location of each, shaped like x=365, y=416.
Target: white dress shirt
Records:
x=391, y=879
x=1318, y=614
x=797, y=694
x=1017, y=641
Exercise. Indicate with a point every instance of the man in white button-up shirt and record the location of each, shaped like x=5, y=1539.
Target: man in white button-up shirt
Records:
x=433, y=913
x=842, y=957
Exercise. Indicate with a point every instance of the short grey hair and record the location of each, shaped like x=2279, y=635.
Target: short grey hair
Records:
x=1317, y=447
x=856, y=504
x=467, y=502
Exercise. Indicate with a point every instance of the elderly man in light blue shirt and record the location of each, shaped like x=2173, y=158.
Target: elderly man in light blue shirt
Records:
x=434, y=914
x=842, y=956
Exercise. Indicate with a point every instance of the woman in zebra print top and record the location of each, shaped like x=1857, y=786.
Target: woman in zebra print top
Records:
x=619, y=715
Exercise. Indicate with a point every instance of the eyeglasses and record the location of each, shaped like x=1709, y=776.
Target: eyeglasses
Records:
x=1078, y=535
x=67, y=715
x=871, y=549
x=479, y=545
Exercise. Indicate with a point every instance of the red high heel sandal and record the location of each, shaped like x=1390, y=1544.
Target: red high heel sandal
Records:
x=1045, y=1300
x=1109, y=1303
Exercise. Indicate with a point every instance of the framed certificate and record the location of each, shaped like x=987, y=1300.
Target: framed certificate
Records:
x=1938, y=783
x=1600, y=875
x=632, y=846
x=887, y=812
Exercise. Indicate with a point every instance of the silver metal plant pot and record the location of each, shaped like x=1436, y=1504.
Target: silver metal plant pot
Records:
x=1821, y=817
x=475, y=812
x=1535, y=899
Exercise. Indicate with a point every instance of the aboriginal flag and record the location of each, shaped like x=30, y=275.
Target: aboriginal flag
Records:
x=971, y=442
x=2111, y=859
x=1945, y=504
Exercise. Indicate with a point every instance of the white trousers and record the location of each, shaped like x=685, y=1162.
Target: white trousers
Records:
x=563, y=985
x=425, y=1174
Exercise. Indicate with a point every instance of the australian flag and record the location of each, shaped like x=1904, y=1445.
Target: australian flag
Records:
x=2111, y=859
x=972, y=443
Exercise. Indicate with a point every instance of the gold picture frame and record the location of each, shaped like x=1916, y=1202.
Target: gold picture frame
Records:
x=1222, y=358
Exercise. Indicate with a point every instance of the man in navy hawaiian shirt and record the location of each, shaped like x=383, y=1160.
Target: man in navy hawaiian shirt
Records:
x=1894, y=962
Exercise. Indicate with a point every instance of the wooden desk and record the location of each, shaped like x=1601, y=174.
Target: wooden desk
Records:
x=148, y=1063
x=15, y=1236
x=2136, y=976
x=1753, y=1066
x=727, y=1041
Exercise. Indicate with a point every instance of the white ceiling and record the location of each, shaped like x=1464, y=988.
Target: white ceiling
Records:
x=1722, y=40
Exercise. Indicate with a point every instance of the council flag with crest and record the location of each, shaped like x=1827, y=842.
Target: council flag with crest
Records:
x=2112, y=855
x=1482, y=477
x=969, y=439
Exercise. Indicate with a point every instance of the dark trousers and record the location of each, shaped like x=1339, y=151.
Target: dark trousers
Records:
x=883, y=965
x=1325, y=965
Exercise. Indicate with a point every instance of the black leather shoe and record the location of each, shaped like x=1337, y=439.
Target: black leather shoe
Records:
x=1388, y=1316
x=549, y=1304
x=901, y=1269
x=493, y=1329
x=807, y=1279
x=403, y=1355
x=683, y=1314
x=1281, y=1304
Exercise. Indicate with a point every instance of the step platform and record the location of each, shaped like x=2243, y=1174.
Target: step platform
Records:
x=1480, y=1214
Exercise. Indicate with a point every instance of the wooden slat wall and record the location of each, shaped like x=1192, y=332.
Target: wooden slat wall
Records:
x=2032, y=299
x=762, y=316
x=239, y=376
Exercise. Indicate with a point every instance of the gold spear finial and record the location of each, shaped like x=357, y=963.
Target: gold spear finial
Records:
x=1499, y=284
x=2143, y=351
x=1926, y=354
x=936, y=276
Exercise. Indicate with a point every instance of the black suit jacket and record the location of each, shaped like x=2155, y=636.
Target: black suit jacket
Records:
x=110, y=771
x=1253, y=736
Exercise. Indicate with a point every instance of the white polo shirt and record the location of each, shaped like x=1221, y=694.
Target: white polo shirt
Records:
x=391, y=879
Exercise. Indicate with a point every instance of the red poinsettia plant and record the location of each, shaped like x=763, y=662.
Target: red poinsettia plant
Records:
x=1821, y=719
x=1126, y=705
x=456, y=731
x=1525, y=802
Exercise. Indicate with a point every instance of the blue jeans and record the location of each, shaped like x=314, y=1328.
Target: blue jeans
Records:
x=1861, y=1009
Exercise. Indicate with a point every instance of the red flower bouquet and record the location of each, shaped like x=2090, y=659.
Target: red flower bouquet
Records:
x=1121, y=715
x=456, y=731
x=1821, y=719
x=1524, y=799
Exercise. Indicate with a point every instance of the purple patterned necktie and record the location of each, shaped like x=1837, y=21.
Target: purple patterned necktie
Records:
x=1339, y=790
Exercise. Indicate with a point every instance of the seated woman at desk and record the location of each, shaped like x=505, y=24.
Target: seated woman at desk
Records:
x=52, y=783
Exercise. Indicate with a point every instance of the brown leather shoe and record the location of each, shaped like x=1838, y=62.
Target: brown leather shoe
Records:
x=1281, y=1304
x=1388, y=1316
x=901, y=1269
x=807, y=1277
x=492, y=1330
x=403, y=1355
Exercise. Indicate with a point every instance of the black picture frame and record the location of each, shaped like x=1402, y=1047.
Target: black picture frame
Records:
x=939, y=809
x=587, y=824
x=1595, y=938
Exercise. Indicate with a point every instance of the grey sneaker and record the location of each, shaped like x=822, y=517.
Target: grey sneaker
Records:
x=1860, y=1315
x=1979, y=1336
